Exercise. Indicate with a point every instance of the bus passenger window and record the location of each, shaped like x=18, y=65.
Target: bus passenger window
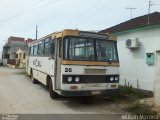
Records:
x=47, y=49
x=52, y=49
x=31, y=51
x=35, y=50
x=40, y=48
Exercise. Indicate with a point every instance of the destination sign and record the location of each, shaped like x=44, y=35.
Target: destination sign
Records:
x=94, y=35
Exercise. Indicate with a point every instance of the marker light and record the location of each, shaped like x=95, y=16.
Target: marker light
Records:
x=111, y=78
x=116, y=78
x=69, y=79
x=77, y=79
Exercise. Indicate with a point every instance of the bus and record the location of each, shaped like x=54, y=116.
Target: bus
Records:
x=75, y=63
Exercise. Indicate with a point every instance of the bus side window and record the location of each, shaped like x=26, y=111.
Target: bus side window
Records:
x=35, y=50
x=47, y=48
x=40, y=48
x=31, y=53
x=52, y=49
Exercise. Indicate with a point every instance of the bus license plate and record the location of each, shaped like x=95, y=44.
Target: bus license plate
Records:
x=95, y=92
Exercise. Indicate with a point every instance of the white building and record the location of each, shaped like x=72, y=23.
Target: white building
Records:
x=138, y=46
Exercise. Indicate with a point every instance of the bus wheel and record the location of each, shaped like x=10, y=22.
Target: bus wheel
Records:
x=52, y=94
x=34, y=81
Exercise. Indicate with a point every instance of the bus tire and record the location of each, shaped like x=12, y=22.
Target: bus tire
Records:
x=34, y=81
x=52, y=94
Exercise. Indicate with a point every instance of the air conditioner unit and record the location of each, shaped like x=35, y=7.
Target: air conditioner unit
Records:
x=132, y=43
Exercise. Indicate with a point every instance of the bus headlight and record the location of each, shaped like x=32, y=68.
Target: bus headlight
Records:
x=111, y=79
x=77, y=79
x=69, y=79
x=116, y=78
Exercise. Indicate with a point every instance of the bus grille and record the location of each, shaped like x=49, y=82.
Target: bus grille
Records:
x=90, y=79
x=95, y=71
x=95, y=79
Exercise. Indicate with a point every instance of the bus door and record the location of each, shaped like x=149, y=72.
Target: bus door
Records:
x=58, y=57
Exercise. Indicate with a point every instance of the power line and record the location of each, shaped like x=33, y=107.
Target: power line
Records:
x=83, y=13
x=149, y=9
x=95, y=12
x=44, y=5
x=21, y=12
x=28, y=10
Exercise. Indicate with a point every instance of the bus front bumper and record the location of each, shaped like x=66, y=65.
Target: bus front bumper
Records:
x=89, y=93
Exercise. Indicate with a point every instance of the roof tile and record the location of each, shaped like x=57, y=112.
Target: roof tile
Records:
x=135, y=23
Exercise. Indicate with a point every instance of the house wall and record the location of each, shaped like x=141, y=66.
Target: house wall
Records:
x=15, y=39
x=133, y=68
x=10, y=48
x=14, y=48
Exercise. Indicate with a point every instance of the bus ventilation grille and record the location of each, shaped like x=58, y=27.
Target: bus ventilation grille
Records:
x=95, y=71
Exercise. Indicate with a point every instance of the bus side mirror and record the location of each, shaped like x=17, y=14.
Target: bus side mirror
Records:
x=52, y=49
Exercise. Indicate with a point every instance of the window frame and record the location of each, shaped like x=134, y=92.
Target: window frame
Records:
x=49, y=42
x=94, y=45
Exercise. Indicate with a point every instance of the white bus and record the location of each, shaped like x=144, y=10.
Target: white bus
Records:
x=75, y=63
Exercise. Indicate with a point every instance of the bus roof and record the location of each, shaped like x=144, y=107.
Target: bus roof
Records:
x=71, y=32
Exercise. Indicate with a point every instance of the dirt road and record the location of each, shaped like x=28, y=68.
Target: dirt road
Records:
x=19, y=95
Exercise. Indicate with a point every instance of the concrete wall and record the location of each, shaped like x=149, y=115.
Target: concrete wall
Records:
x=133, y=67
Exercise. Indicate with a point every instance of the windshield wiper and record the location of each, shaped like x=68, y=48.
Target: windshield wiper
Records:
x=108, y=60
x=106, y=57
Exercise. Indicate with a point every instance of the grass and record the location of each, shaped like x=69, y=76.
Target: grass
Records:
x=139, y=109
x=131, y=96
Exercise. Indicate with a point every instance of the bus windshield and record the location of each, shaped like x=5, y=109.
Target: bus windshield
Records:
x=90, y=49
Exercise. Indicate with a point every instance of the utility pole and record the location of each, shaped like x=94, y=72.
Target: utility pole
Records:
x=36, y=31
x=129, y=8
x=149, y=7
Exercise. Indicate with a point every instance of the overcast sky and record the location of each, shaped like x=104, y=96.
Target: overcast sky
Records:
x=20, y=17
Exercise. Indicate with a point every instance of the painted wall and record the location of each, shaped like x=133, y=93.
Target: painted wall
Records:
x=133, y=68
x=157, y=80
